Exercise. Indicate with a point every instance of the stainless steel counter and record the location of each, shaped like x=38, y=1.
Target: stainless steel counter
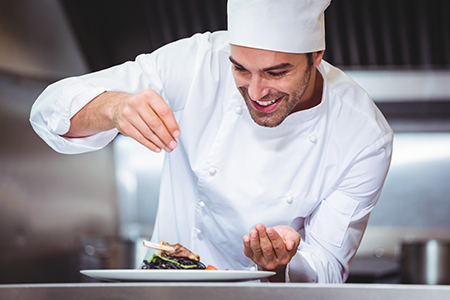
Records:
x=219, y=291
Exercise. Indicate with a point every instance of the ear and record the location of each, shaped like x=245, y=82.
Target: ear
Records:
x=317, y=58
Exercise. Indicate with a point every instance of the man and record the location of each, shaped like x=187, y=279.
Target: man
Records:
x=268, y=144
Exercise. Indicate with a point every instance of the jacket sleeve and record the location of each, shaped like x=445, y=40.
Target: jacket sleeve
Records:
x=167, y=71
x=58, y=103
x=333, y=232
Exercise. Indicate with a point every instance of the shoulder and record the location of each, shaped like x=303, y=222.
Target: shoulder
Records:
x=197, y=43
x=202, y=52
x=340, y=85
x=352, y=102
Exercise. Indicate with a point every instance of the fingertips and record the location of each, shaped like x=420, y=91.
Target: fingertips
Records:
x=261, y=230
x=260, y=227
x=248, y=252
x=273, y=235
x=253, y=234
x=277, y=242
x=270, y=232
x=290, y=245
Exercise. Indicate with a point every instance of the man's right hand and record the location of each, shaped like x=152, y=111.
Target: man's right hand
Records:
x=143, y=116
x=147, y=118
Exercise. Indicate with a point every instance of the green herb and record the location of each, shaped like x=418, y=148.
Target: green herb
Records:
x=155, y=257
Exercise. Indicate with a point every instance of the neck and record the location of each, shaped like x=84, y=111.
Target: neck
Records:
x=313, y=93
x=318, y=88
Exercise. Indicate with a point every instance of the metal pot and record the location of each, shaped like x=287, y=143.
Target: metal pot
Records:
x=425, y=262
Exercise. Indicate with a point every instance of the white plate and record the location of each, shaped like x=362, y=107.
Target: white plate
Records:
x=175, y=275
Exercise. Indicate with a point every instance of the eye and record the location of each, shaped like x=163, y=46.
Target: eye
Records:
x=239, y=68
x=277, y=74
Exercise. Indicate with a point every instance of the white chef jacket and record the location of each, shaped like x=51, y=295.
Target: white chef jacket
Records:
x=321, y=171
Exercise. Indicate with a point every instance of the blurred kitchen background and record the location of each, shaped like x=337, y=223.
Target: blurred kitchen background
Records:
x=62, y=213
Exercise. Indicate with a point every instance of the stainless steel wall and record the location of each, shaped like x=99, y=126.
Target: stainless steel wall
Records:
x=50, y=204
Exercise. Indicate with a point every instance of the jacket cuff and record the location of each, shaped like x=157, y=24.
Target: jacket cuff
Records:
x=301, y=269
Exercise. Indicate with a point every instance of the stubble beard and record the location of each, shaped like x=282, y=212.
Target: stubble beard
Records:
x=284, y=109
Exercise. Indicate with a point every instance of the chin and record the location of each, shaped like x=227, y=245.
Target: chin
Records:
x=266, y=121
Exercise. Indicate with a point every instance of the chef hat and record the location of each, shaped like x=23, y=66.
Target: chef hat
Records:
x=293, y=26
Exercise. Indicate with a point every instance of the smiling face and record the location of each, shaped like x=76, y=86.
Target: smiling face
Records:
x=274, y=84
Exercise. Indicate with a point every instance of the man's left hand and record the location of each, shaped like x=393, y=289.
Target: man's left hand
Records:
x=272, y=248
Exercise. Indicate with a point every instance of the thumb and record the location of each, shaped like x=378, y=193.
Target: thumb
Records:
x=290, y=245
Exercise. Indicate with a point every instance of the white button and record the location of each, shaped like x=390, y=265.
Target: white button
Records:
x=198, y=230
x=212, y=171
x=289, y=199
x=238, y=110
x=201, y=203
x=313, y=139
x=252, y=268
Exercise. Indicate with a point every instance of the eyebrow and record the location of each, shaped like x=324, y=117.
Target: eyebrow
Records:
x=272, y=68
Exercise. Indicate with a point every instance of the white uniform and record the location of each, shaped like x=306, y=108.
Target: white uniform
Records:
x=320, y=171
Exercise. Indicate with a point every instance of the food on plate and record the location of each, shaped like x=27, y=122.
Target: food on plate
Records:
x=178, y=251
x=166, y=249
x=171, y=262
x=173, y=257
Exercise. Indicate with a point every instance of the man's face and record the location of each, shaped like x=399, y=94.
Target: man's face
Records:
x=273, y=84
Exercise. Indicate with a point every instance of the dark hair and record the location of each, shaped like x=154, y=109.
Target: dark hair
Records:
x=309, y=56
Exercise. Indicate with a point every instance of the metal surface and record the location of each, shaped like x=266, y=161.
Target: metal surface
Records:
x=219, y=291
x=404, y=86
x=426, y=261
x=416, y=191
x=49, y=202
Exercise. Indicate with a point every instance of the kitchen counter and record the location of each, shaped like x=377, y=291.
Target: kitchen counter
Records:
x=219, y=291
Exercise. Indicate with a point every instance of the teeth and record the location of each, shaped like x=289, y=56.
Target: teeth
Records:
x=265, y=103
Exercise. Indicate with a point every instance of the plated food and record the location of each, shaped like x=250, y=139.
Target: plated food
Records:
x=183, y=264
x=173, y=257
x=166, y=249
x=171, y=262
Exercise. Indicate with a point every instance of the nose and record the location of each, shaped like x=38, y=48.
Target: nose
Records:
x=257, y=88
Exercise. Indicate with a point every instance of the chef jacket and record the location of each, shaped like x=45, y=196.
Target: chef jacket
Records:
x=321, y=171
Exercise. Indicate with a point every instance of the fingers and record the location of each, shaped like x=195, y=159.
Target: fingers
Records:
x=278, y=244
x=153, y=128
x=290, y=236
x=148, y=119
x=247, y=249
x=290, y=245
x=154, y=144
x=267, y=248
x=159, y=120
x=264, y=243
x=164, y=113
x=134, y=126
x=256, y=245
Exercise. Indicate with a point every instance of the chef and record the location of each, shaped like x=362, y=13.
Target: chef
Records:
x=275, y=158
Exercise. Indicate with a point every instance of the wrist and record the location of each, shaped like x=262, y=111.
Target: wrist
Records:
x=280, y=275
x=110, y=101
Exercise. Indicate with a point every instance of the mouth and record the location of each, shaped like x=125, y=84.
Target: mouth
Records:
x=266, y=106
x=266, y=103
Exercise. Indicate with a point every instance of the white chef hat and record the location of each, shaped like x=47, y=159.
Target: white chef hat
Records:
x=293, y=26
